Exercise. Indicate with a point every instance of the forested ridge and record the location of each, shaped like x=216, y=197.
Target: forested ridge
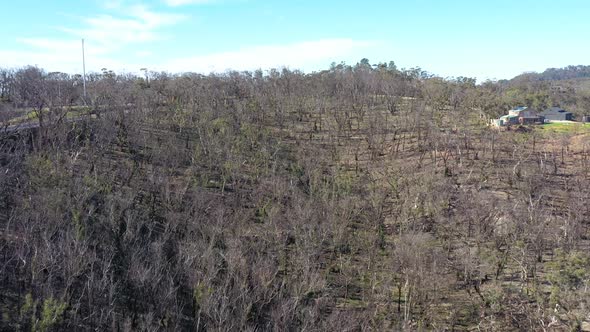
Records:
x=361, y=197
x=566, y=73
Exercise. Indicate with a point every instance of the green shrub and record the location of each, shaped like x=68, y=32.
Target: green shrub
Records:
x=52, y=314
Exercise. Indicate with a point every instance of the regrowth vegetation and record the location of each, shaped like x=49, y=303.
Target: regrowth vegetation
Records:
x=361, y=197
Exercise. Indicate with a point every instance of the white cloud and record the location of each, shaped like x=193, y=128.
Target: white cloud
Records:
x=112, y=4
x=44, y=44
x=120, y=39
x=143, y=54
x=106, y=37
x=68, y=62
x=302, y=55
x=176, y=3
x=65, y=56
x=140, y=25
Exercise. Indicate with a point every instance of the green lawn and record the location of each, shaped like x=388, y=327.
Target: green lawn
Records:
x=566, y=128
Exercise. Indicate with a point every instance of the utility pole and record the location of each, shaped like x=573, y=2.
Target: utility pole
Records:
x=145, y=71
x=83, y=71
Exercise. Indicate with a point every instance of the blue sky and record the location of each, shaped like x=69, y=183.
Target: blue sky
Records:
x=484, y=39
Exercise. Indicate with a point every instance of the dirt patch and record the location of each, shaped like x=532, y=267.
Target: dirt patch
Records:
x=580, y=142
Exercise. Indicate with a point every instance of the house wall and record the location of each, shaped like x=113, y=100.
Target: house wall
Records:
x=528, y=114
x=529, y=120
x=510, y=120
x=559, y=116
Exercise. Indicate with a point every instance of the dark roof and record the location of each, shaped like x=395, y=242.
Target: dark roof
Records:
x=556, y=110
